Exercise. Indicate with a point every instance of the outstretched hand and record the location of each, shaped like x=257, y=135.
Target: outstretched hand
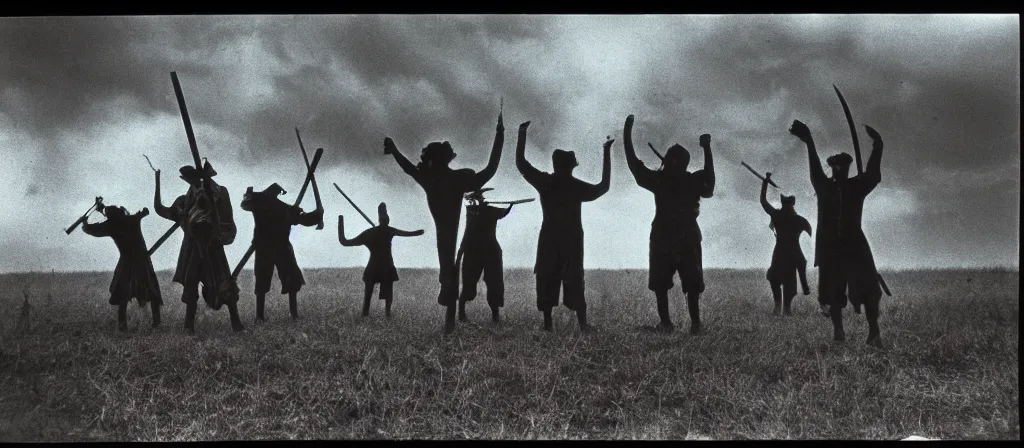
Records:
x=800, y=130
x=705, y=140
x=389, y=146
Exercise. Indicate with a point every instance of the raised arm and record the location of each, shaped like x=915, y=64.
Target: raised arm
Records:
x=800, y=130
x=357, y=241
x=487, y=173
x=98, y=230
x=399, y=232
x=764, y=196
x=531, y=174
x=407, y=166
x=643, y=176
x=158, y=206
x=592, y=192
x=873, y=174
x=504, y=213
x=709, y=167
x=806, y=226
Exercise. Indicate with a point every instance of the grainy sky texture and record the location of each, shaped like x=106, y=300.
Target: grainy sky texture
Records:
x=82, y=99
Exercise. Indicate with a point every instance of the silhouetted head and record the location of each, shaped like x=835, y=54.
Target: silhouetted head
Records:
x=788, y=201
x=193, y=176
x=840, y=164
x=475, y=197
x=436, y=155
x=563, y=161
x=677, y=158
x=382, y=214
x=115, y=212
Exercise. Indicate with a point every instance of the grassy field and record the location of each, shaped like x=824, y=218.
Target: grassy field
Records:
x=949, y=368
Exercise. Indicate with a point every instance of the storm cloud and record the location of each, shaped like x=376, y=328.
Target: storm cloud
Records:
x=82, y=99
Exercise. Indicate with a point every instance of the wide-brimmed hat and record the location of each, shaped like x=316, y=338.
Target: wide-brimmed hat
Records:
x=189, y=172
x=274, y=190
x=840, y=160
x=477, y=194
x=439, y=152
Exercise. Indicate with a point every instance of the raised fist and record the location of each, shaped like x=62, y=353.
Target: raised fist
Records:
x=389, y=146
x=705, y=140
x=629, y=120
x=800, y=130
x=522, y=127
x=608, y=144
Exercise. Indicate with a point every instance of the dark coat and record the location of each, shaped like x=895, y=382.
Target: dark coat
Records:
x=134, y=276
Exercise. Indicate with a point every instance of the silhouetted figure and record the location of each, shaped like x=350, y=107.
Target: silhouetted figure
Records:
x=841, y=250
x=274, y=220
x=381, y=267
x=444, y=188
x=208, y=227
x=788, y=260
x=559, y=264
x=133, y=276
x=675, y=236
x=482, y=254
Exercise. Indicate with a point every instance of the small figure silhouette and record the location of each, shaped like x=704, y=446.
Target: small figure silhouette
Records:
x=482, y=254
x=134, y=276
x=274, y=220
x=381, y=267
x=444, y=188
x=788, y=260
x=205, y=215
x=559, y=263
x=675, y=235
x=841, y=251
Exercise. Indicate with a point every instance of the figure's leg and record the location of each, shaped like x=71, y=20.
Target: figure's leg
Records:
x=788, y=291
x=663, y=311
x=871, y=309
x=802, y=271
x=471, y=270
x=387, y=292
x=693, y=304
x=236, y=322
x=263, y=271
x=495, y=281
x=154, y=308
x=573, y=290
x=190, y=296
x=547, y=298
x=836, y=313
x=367, y=294
x=864, y=289
x=122, y=316
x=693, y=283
x=776, y=295
x=293, y=304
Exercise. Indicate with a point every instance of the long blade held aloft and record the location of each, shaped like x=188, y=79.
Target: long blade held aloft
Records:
x=885, y=287
x=759, y=176
x=163, y=238
x=188, y=122
x=80, y=220
x=518, y=201
x=316, y=191
x=853, y=129
x=309, y=175
x=367, y=218
x=656, y=152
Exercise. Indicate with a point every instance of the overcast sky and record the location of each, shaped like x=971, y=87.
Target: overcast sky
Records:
x=82, y=99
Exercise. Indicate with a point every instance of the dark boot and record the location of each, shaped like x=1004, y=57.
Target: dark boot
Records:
x=154, y=309
x=122, y=317
x=836, y=313
x=462, y=312
x=693, y=303
x=785, y=306
x=293, y=305
x=190, y=317
x=449, y=319
x=547, y=320
x=581, y=316
x=495, y=315
x=387, y=308
x=803, y=281
x=664, y=317
x=874, y=334
x=236, y=322
x=261, y=300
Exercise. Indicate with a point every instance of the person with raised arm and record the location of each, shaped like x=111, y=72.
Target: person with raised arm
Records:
x=559, y=263
x=788, y=260
x=846, y=266
x=381, y=267
x=444, y=188
x=675, y=235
